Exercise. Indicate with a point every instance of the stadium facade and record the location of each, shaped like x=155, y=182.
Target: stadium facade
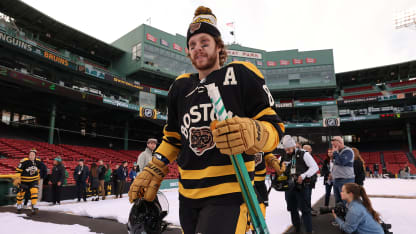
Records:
x=56, y=77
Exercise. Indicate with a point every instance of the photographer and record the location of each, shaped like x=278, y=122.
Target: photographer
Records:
x=361, y=217
x=302, y=168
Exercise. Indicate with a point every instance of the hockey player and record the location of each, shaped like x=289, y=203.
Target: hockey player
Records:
x=262, y=161
x=28, y=169
x=209, y=193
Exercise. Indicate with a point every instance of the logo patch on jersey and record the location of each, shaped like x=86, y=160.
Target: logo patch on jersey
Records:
x=200, y=140
x=258, y=158
x=194, y=26
x=32, y=170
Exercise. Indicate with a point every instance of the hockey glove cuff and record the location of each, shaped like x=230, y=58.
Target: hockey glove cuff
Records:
x=147, y=183
x=238, y=135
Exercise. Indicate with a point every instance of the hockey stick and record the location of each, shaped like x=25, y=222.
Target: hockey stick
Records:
x=243, y=178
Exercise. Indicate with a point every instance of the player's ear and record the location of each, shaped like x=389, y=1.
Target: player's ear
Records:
x=186, y=51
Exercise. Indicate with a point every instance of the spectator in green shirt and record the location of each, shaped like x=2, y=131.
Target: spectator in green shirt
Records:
x=107, y=179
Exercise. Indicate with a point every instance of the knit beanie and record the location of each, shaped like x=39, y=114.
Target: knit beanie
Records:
x=204, y=21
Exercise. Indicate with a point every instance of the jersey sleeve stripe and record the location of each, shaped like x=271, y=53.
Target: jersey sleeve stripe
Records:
x=171, y=134
x=216, y=190
x=168, y=150
x=212, y=171
x=186, y=75
x=267, y=111
x=259, y=178
x=251, y=67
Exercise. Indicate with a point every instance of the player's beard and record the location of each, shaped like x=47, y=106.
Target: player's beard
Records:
x=211, y=61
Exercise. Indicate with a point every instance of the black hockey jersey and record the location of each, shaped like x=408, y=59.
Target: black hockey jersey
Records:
x=206, y=175
x=29, y=170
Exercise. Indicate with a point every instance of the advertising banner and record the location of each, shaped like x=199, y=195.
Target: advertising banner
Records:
x=177, y=47
x=271, y=63
x=297, y=61
x=303, y=125
x=284, y=62
x=244, y=54
x=310, y=60
x=150, y=37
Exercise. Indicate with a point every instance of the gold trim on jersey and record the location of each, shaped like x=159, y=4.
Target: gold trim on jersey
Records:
x=251, y=67
x=260, y=175
x=167, y=133
x=212, y=171
x=216, y=190
x=273, y=139
x=242, y=219
x=266, y=111
x=186, y=75
x=168, y=150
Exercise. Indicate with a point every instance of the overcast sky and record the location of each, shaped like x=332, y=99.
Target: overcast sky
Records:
x=361, y=33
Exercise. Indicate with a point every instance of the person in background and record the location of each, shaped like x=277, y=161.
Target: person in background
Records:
x=326, y=173
x=133, y=172
x=101, y=174
x=375, y=169
x=57, y=180
x=343, y=170
x=367, y=171
x=313, y=179
x=407, y=171
x=122, y=173
x=358, y=167
x=43, y=173
x=114, y=179
x=94, y=182
x=81, y=175
x=146, y=156
x=361, y=218
x=28, y=180
x=302, y=168
x=107, y=179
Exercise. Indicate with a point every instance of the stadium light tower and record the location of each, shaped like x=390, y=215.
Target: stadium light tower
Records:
x=405, y=19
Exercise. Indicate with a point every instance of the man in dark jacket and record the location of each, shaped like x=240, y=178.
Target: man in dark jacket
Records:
x=375, y=169
x=122, y=173
x=114, y=179
x=101, y=174
x=57, y=180
x=80, y=175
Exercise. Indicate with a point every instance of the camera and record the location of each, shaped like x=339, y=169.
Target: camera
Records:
x=340, y=210
x=386, y=227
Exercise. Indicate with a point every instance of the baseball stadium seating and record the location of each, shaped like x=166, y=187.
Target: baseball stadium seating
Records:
x=13, y=150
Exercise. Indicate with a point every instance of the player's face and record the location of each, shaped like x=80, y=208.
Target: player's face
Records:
x=32, y=156
x=203, y=51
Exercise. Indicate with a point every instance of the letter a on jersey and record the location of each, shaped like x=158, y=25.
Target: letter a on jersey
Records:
x=229, y=76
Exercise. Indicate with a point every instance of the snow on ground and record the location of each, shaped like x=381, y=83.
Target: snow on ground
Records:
x=399, y=212
x=390, y=187
x=15, y=223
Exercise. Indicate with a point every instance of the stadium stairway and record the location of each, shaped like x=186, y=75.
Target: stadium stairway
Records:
x=383, y=163
x=411, y=158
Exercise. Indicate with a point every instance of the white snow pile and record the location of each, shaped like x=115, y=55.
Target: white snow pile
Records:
x=398, y=212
